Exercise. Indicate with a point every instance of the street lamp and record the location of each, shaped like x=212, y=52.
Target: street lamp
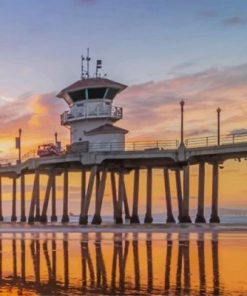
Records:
x=218, y=125
x=182, y=123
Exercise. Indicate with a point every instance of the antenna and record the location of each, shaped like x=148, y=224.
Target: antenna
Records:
x=98, y=66
x=82, y=68
x=88, y=60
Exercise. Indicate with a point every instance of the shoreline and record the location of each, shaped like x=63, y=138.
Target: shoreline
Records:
x=8, y=227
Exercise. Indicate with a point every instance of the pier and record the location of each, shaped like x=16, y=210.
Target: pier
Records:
x=112, y=166
x=99, y=153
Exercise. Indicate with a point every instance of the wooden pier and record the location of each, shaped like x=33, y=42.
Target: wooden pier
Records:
x=112, y=166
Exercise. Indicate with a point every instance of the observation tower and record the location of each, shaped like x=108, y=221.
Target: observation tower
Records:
x=91, y=115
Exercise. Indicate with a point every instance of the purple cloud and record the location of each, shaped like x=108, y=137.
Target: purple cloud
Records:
x=235, y=21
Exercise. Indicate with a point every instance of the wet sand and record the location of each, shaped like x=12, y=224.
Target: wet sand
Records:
x=126, y=228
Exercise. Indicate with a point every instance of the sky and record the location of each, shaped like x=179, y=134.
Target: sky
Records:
x=164, y=50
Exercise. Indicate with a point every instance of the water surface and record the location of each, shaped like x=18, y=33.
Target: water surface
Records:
x=123, y=264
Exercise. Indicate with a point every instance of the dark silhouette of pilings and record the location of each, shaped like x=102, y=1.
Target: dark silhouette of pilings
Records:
x=1, y=197
x=215, y=194
x=201, y=192
x=43, y=217
x=148, y=216
x=85, y=207
x=121, y=192
x=179, y=194
x=135, y=217
x=186, y=195
x=53, y=199
x=100, y=189
x=13, y=216
x=65, y=217
x=34, y=197
x=22, y=191
x=170, y=218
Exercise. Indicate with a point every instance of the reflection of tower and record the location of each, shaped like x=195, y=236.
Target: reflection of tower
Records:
x=92, y=114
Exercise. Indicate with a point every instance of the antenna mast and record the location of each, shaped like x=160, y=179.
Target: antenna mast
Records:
x=82, y=68
x=88, y=60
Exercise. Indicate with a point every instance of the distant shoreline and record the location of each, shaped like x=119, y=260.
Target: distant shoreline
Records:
x=126, y=228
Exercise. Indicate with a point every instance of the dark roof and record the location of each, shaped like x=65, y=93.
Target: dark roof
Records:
x=106, y=129
x=91, y=83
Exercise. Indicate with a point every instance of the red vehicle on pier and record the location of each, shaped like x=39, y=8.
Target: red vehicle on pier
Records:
x=49, y=150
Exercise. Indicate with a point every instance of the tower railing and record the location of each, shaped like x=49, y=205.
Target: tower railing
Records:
x=112, y=112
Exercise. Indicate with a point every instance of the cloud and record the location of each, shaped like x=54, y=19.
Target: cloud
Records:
x=235, y=21
x=208, y=13
x=37, y=114
x=85, y=2
x=151, y=109
x=182, y=66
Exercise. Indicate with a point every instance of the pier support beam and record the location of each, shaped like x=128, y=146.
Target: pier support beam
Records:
x=65, y=217
x=99, y=198
x=13, y=216
x=126, y=205
x=53, y=199
x=170, y=218
x=37, y=217
x=23, y=208
x=148, y=216
x=35, y=193
x=185, y=217
x=1, y=198
x=114, y=195
x=119, y=218
x=84, y=213
x=43, y=217
x=179, y=194
x=135, y=217
x=201, y=189
x=83, y=189
x=215, y=194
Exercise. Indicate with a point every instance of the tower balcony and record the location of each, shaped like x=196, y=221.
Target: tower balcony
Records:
x=109, y=112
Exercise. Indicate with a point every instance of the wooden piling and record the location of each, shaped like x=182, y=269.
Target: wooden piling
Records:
x=215, y=194
x=13, y=216
x=37, y=217
x=179, y=194
x=201, y=189
x=185, y=217
x=99, y=198
x=43, y=217
x=170, y=218
x=23, y=208
x=84, y=214
x=148, y=216
x=114, y=195
x=135, y=217
x=119, y=218
x=31, y=218
x=65, y=217
x=1, y=197
x=53, y=199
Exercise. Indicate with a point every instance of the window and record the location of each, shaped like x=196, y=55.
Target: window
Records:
x=96, y=93
x=78, y=95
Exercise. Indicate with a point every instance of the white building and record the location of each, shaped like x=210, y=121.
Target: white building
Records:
x=91, y=115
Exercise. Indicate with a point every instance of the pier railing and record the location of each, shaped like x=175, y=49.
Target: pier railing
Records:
x=134, y=146
x=148, y=146
x=213, y=140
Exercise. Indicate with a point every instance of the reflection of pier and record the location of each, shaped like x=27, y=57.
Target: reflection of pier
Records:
x=97, y=273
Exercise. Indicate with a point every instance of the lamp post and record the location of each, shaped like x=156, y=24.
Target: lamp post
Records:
x=218, y=126
x=182, y=123
x=19, y=145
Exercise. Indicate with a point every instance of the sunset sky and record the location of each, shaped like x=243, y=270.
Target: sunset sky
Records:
x=164, y=50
